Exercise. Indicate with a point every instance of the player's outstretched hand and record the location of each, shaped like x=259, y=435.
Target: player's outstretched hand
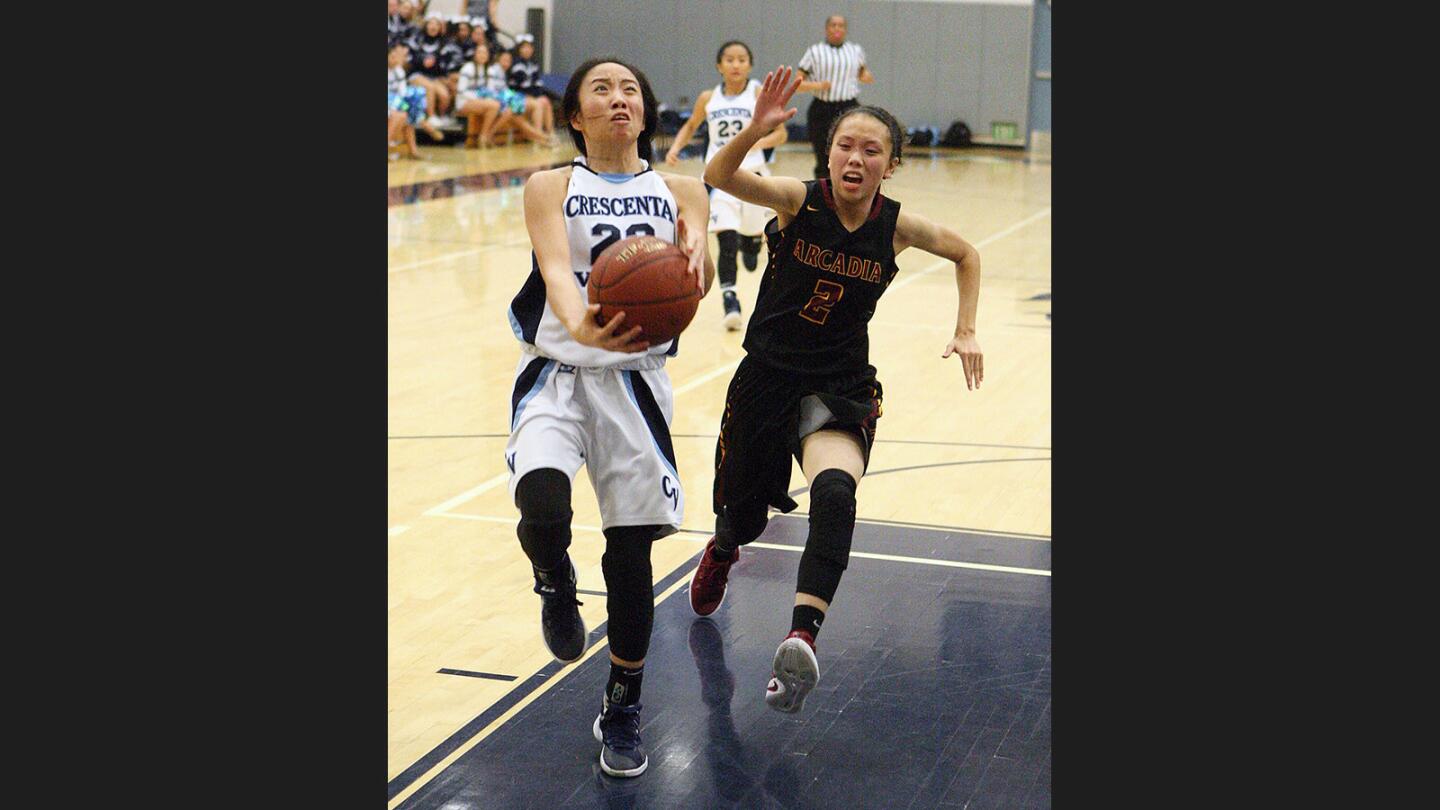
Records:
x=672, y=157
x=770, y=109
x=970, y=357
x=591, y=333
x=693, y=246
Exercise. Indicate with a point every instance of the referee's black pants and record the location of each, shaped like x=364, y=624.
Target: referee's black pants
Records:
x=817, y=124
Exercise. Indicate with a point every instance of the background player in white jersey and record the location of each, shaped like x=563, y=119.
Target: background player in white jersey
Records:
x=599, y=395
x=727, y=109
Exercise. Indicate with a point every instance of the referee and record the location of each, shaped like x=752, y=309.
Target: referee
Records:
x=833, y=70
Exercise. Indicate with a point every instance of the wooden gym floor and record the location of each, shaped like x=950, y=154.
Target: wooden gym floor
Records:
x=935, y=659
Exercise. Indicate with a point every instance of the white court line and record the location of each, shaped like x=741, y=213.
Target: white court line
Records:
x=442, y=509
x=394, y=530
x=1004, y=569
x=448, y=256
x=510, y=520
x=706, y=377
x=869, y=521
x=1009, y=329
x=439, y=511
x=520, y=705
x=443, y=258
x=934, y=527
x=692, y=384
x=1045, y=212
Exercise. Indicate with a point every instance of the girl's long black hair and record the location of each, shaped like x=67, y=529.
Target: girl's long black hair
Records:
x=570, y=105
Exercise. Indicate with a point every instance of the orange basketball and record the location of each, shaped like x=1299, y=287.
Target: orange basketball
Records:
x=645, y=278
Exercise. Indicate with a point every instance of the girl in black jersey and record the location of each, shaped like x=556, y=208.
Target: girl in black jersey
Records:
x=806, y=387
x=456, y=51
x=462, y=36
x=524, y=77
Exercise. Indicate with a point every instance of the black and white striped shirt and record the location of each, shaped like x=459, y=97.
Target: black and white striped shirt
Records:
x=840, y=66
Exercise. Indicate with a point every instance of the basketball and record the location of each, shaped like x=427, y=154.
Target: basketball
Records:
x=645, y=278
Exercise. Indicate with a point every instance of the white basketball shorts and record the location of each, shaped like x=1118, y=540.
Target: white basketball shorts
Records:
x=615, y=422
x=728, y=213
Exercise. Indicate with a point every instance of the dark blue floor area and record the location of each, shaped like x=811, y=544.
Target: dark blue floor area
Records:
x=934, y=692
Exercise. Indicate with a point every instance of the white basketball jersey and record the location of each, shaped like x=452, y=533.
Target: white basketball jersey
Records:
x=727, y=115
x=599, y=210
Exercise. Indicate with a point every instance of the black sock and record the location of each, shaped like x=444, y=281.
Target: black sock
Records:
x=725, y=262
x=623, y=689
x=721, y=553
x=807, y=618
x=550, y=575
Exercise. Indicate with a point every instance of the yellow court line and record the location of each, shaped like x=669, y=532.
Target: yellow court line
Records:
x=513, y=710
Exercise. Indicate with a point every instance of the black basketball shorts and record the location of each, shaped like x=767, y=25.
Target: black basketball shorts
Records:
x=769, y=410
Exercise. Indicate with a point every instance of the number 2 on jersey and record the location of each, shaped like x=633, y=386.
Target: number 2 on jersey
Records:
x=827, y=294
x=612, y=235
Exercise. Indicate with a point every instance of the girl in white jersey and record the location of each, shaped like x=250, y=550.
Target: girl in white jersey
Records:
x=479, y=108
x=599, y=395
x=727, y=109
x=480, y=78
x=411, y=100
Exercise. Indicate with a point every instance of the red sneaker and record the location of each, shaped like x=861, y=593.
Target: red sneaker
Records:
x=707, y=586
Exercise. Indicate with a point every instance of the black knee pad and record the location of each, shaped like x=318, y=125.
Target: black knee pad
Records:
x=741, y=523
x=543, y=497
x=629, y=587
x=750, y=244
x=832, y=525
x=725, y=262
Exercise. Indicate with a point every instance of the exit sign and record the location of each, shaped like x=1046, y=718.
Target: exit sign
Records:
x=1003, y=130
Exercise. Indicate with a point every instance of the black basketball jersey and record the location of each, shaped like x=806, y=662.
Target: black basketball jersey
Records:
x=821, y=286
x=524, y=74
x=452, y=56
